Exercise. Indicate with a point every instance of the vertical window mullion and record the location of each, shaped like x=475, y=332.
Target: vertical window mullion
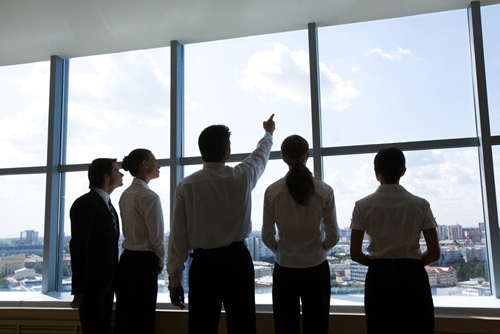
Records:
x=177, y=117
x=485, y=149
x=315, y=100
x=53, y=229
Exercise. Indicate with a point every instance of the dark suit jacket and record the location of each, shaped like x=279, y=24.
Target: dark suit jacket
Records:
x=93, y=245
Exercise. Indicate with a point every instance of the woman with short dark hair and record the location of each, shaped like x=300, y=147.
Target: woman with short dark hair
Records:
x=397, y=293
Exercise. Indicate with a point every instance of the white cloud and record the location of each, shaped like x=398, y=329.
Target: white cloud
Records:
x=394, y=55
x=335, y=91
x=282, y=74
x=355, y=68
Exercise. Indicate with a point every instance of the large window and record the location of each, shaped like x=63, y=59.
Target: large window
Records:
x=117, y=103
x=24, y=114
x=402, y=79
x=241, y=82
x=491, y=34
x=405, y=81
x=23, y=141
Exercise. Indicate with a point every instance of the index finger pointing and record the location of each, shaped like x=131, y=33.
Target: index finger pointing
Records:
x=271, y=118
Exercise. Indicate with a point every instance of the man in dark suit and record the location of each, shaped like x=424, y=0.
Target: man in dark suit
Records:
x=94, y=247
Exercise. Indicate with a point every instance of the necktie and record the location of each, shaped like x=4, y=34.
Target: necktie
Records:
x=115, y=221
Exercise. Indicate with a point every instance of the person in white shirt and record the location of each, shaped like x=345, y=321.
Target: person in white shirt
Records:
x=143, y=257
x=211, y=216
x=302, y=208
x=397, y=293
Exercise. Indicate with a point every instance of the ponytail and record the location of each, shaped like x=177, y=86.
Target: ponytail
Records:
x=299, y=180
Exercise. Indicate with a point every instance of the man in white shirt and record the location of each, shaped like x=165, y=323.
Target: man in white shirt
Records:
x=212, y=217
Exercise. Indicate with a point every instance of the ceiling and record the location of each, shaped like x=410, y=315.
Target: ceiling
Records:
x=33, y=30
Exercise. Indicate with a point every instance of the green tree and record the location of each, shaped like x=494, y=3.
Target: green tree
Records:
x=67, y=271
x=38, y=268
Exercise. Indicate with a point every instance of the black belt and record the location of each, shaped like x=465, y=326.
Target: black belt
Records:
x=218, y=249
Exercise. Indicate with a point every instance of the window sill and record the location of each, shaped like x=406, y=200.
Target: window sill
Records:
x=445, y=306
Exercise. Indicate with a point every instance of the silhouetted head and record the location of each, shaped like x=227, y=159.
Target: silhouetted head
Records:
x=390, y=163
x=97, y=169
x=132, y=162
x=213, y=142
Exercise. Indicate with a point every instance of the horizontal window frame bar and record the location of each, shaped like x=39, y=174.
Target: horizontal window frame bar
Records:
x=276, y=155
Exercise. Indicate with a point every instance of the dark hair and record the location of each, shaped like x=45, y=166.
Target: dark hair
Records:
x=213, y=141
x=97, y=169
x=299, y=180
x=390, y=162
x=134, y=159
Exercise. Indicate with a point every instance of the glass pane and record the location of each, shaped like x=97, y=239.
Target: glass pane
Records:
x=490, y=17
x=77, y=185
x=24, y=92
x=21, y=236
x=241, y=82
x=119, y=102
x=449, y=180
x=404, y=79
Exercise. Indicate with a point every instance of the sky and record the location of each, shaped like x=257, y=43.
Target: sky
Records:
x=397, y=80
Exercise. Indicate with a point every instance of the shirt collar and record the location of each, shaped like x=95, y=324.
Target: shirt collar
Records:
x=104, y=195
x=390, y=188
x=140, y=182
x=213, y=165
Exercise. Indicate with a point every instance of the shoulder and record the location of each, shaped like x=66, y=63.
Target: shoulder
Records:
x=416, y=199
x=86, y=199
x=276, y=186
x=367, y=200
x=322, y=187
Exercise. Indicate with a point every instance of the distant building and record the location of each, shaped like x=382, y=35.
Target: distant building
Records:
x=449, y=254
x=264, y=284
x=334, y=267
x=475, y=287
x=474, y=253
x=455, y=232
x=32, y=261
x=442, y=231
x=24, y=273
x=258, y=250
x=9, y=264
x=345, y=234
x=28, y=237
x=358, y=271
x=472, y=233
x=441, y=276
x=262, y=269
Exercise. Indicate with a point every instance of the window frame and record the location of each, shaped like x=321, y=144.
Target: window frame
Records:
x=56, y=152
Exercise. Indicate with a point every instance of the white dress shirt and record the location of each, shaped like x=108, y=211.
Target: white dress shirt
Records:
x=305, y=233
x=212, y=207
x=104, y=195
x=393, y=219
x=142, y=220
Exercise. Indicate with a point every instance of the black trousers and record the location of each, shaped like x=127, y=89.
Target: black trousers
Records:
x=219, y=276
x=95, y=313
x=398, y=297
x=309, y=285
x=136, y=292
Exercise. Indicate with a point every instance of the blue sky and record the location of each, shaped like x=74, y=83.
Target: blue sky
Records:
x=404, y=79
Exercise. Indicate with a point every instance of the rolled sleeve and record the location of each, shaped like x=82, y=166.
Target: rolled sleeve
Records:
x=269, y=226
x=153, y=215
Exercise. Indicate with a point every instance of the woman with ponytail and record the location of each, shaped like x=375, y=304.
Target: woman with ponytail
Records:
x=302, y=209
x=143, y=257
